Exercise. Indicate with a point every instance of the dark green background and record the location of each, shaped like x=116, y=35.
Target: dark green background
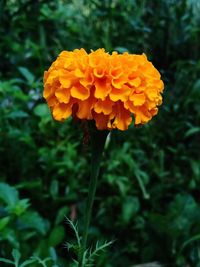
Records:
x=148, y=197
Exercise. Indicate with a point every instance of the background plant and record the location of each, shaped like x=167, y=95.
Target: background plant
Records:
x=148, y=196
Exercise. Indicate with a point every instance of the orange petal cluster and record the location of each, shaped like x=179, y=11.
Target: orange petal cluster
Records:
x=109, y=89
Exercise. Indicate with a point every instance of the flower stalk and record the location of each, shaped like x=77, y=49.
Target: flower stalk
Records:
x=98, y=139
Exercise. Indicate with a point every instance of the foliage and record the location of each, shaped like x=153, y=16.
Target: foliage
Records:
x=34, y=259
x=148, y=192
x=90, y=254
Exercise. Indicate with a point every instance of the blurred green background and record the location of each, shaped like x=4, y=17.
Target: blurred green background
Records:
x=148, y=197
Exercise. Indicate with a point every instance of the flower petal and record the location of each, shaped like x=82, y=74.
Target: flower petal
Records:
x=80, y=92
x=120, y=94
x=122, y=118
x=138, y=99
x=62, y=111
x=102, y=88
x=104, y=107
x=101, y=121
x=85, y=108
x=63, y=95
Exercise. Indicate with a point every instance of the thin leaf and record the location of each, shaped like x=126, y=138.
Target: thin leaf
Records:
x=16, y=256
x=142, y=186
x=98, y=248
x=7, y=261
x=192, y=131
x=75, y=229
x=27, y=74
x=27, y=262
x=192, y=239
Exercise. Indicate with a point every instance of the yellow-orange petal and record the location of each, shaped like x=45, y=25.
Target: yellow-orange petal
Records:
x=63, y=95
x=48, y=91
x=67, y=62
x=104, y=107
x=85, y=108
x=46, y=74
x=51, y=77
x=52, y=101
x=62, y=111
x=138, y=99
x=151, y=104
x=79, y=73
x=115, y=73
x=129, y=105
x=122, y=118
x=88, y=79
x=80, y=92
x=65, y=81
x=142, y=115
x=99, y=71
x=160, y=85
x=120, y=94
x=101, y=121
x=140, y=89
x=102, y=88
x=151, y=93
x=135, y=82
x=154, y=111
x=119, y=82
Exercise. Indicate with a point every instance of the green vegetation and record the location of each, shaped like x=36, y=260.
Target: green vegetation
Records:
x=148, y=192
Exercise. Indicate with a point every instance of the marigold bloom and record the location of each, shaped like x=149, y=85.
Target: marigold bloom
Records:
x=110, y=89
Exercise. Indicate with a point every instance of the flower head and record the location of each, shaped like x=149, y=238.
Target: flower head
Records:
x=109, y=89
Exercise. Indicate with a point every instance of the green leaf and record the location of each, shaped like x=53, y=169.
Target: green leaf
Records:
x=8, y=194
x=17, y=114
x=61, y=214
x=16, y=256
x=21, y=206
x=7, y=261
x=122, y=183
x=92, y=254
x=74, y=227
x=41, y=261
x=192, y=131
x=3, y=222
x=27, y=74
x=130, y=207
x=56, y=236
x=141, y=181
x=32, y=220
x=196, y=88
x=27, y=262
x=195, y=169
x=41, y=110
x=53, y=254
x=189, y=241
x=54, y=188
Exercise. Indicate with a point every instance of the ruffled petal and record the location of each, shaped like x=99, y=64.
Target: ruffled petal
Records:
x=101, y=121
x=122, y=118
x=138, y=99
x=63, y=95
x=85, y=108
x=102, y=88
x=80, y=92
x=120, y=94
x=62, y=111
x=104, y=107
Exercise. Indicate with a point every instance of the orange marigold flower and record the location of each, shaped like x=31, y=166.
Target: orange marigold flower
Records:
x=110, y=89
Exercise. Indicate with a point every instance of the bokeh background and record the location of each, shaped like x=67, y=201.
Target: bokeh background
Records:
x=148, y=197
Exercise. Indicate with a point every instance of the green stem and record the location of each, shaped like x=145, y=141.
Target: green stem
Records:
x=98, y=139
